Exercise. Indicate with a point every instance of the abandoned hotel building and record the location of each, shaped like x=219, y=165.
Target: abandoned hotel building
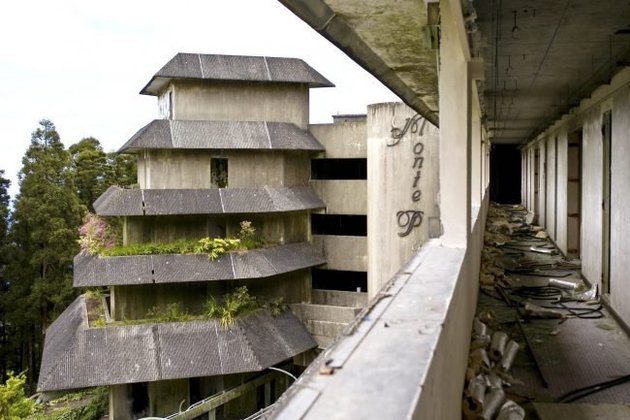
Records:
x=375, y=221
x=234, y=144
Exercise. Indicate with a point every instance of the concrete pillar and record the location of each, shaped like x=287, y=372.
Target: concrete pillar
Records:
x=455, y=127
x=476, y=154
x=402, y=188
x=165, y=397
x=119, y=402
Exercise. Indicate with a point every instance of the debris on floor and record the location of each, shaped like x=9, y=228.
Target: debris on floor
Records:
x=539, y=327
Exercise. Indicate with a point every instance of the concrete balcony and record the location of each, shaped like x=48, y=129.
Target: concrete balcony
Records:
x=76, y=355
x=173, y=268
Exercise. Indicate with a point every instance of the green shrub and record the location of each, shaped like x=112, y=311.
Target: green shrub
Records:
x=14, y=404
x=234, y=304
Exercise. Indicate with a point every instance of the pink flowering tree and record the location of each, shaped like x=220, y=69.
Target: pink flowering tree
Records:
x=95, y=235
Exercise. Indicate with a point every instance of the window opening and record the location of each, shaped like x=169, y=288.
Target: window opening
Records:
x=219, y=172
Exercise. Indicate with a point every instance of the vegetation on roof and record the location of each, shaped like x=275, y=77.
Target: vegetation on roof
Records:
x=98, y=238
x=226, y=310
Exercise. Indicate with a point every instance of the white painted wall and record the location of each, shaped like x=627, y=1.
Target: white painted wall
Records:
x=561, y=218
x=542, y=183
x=620, y=204
x=550, y=190
x=591, y=231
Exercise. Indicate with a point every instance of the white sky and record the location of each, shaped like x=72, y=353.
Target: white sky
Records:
x=82, y=63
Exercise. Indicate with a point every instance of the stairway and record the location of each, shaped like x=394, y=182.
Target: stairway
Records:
x=329, y=313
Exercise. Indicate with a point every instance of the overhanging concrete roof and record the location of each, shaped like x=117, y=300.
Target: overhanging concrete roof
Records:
x=235, y=68
x=221, y=135
x=77, y=356
x=391, y=40
x=116, y=201
x=92, y=271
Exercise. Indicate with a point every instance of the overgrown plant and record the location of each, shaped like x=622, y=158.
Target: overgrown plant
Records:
x=96, y=235
x=14, y=404
x=238, y=303
x=173, y=312
x=214, y=247
x=234, y=304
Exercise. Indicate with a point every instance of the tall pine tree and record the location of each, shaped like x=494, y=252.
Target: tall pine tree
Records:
x=89, y=170
x=43, y=238
x=4, y=226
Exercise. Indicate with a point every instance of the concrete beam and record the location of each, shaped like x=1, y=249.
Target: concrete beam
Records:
x=343, y=33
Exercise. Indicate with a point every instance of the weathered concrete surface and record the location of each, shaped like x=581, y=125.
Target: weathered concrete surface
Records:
x=342, y=196
x=241, y=102
x=339, y=298
x=417, y=334
x=309, y=311
x=403, y=59
x=165, y=397
x=348, y=253
x=562, y=183
x=252, y=169
x=588, y=116
x=168, y=169
x=620, y=205
x=402, y=189
x=347, y=139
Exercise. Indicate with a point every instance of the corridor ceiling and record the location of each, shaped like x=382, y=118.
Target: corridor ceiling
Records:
x=541, y=56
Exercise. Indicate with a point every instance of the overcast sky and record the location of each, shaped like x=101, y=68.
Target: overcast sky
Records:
x=82, y=63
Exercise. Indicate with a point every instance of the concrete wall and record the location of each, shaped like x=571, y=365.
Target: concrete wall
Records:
x=163, y=169
x=274, y=228
x=561, y=205
x=348, y=253
x=550, y=216
x=614, y=97
x=402, y=189
x=165, y=397
x=344, y=139
x=444, y=378
x=620, y=204
x=133, y=302
x=342, y=196
x=241, y=101
x=272, y=168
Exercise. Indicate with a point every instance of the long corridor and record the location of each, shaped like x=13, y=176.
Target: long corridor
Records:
x=574, y=357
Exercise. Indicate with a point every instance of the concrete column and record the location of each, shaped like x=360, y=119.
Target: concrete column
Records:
x=455, y=128
x=476, y=154
x=402, y=188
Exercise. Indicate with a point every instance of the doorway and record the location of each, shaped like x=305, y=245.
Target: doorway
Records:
x=606, y=148
x=536, y=185
x=574, y=193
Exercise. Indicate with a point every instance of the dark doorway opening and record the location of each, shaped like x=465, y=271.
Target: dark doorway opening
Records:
x=505, y=174
x=339, y=169
x=339, y=224
x=350, y=281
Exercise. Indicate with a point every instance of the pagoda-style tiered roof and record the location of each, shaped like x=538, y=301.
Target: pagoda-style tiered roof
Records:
x=235, y=68
x=77, y=356
x=118, y=201
x=221, y=135
x=180, y=268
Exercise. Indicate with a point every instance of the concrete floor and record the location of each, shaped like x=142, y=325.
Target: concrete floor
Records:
x=556, y=355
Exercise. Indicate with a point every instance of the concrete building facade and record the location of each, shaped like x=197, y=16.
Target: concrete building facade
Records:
x=233, y=144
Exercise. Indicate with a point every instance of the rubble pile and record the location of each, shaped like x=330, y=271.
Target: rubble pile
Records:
x=492, y=353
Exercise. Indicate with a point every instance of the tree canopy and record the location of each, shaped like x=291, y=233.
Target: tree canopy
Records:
x=38, y=239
